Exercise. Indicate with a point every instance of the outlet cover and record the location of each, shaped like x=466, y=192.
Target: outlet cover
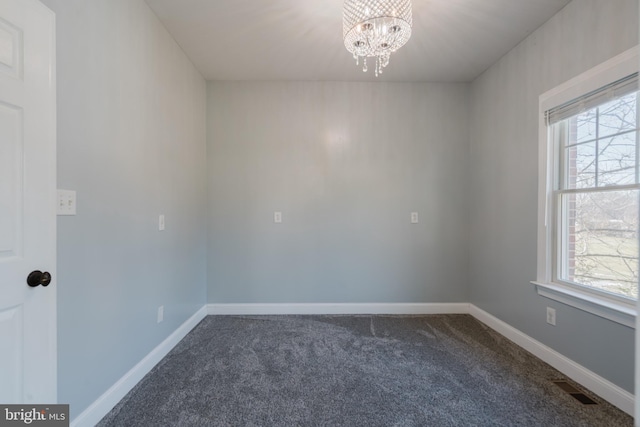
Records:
x=551, y=316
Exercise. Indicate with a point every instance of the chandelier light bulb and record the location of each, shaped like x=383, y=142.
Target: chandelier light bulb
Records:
x=376, y=28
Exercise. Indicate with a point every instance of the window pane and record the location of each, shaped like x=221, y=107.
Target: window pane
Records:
x=582, y=127
x=617, y=116
x=617, y=160
x=580, y=164
x=599, y=240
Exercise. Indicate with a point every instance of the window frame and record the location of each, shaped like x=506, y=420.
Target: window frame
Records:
x=618, y=309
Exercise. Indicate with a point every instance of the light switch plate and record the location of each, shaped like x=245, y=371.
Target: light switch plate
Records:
x=66, y=203
x=161, y=222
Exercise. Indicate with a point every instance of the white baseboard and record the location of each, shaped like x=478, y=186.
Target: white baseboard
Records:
x=101, y=407
x=605, y=389
x=339, y=308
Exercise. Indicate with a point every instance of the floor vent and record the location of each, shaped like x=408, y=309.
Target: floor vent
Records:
x=575, y=393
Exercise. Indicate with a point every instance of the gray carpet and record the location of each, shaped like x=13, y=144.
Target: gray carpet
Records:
x=440, y=370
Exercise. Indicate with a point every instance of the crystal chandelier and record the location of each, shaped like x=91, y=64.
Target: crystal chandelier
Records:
x=375, y=28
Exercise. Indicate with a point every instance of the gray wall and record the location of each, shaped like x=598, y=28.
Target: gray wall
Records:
x=131, y=141
x=346, y=163
x=504, y=149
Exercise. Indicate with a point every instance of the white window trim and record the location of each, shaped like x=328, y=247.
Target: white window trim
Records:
x=613, y=308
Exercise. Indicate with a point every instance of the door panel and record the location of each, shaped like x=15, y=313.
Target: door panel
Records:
x=11, y=172
x=10, y=49
x=11, y=361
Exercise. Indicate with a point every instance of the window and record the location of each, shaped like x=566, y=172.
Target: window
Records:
x=595, y=199
x=590, y=191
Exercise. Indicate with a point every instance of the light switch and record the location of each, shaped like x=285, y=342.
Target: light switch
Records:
x=414, y=217
x=161, y=222
x=277, y=217
x=66, y=202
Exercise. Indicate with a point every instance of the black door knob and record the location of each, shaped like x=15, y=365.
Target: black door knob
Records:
x=37, y=277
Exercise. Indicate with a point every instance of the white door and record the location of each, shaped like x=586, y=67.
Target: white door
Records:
x=27, y=202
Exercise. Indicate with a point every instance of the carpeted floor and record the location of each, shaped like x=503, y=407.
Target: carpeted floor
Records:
x=439, y=370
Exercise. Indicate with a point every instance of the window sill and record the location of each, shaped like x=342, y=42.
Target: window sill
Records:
x=608, y=309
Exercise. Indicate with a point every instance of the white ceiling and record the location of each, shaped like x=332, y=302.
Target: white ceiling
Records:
x=452, y=40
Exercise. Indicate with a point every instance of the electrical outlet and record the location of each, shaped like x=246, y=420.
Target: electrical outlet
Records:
x=551, y=316
x=161, y=222
x=414, y=217
x=160, y=313
x=277, y=217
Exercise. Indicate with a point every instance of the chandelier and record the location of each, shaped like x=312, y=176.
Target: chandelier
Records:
x=375, y=28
